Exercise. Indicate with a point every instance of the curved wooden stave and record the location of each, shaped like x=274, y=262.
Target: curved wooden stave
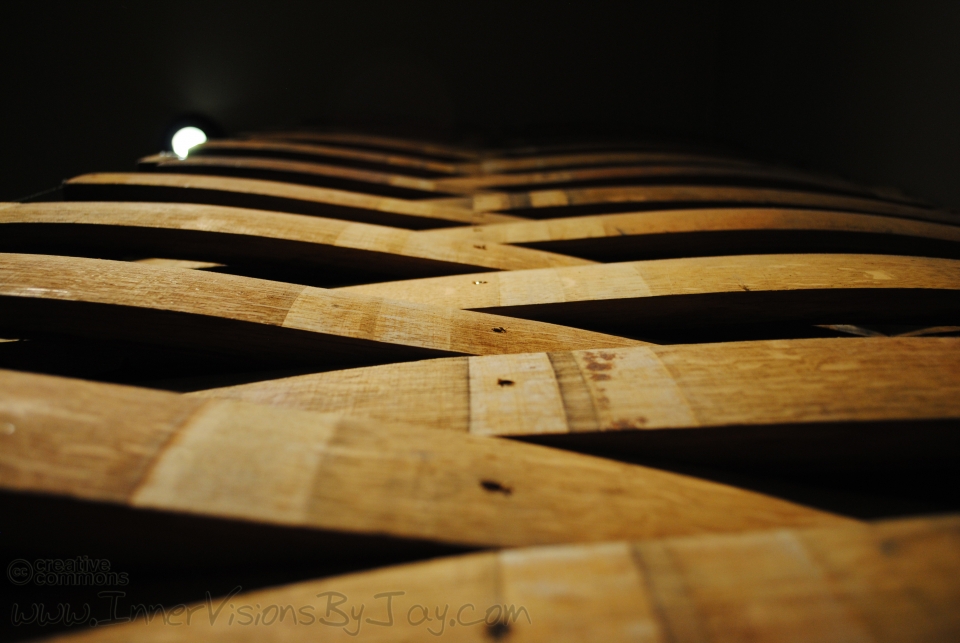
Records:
x=390, y=184
x=892, y=581
x=224, y=234
x=814, y=403
x=415, y=146
x=162, y=451
x=587, y=159
x=663, y=173
x=241, y=316
x=637, y=297
x=271, y=195
x=716, y=231
x=327, y=153
x=300, y=172
x=551, y=204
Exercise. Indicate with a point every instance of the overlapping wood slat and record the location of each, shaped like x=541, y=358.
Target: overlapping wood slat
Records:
x=396, y=308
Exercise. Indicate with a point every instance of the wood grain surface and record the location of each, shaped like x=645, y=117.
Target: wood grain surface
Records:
x=162, y=451
x=392, y=184
x=633, y=296
x=716, y=231
x=82, y=297
x=302, y=172
x=889, y=582
x=548, y=204
x=665, y=172
x=272, y=195
x=837, y=403
x=349, y=157
x=217, y=233
x=360, y=140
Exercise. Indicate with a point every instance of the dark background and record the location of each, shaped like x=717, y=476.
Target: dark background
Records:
x=869, y=90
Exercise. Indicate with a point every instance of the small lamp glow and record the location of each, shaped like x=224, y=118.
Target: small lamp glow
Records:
x=186, y=138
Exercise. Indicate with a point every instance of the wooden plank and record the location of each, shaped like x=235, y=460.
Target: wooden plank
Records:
x=817, y=403
x=549, y=204
x=246, y=237
x=369, y=159
x=889, y=582
x=302, y=172
x=414, y=146
x=720, y=231
x=241, y=316
x=636, y=297
x=162, y=451
x=665, y=173
x=272, y=195
x=402, y=186
x=592, y=158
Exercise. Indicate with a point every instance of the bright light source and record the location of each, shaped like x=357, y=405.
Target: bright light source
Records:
x=186, y=138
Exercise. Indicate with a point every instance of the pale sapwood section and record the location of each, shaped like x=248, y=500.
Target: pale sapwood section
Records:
x=377, y=142
x=639, y=296
x=888, y=582
x=162, y=451
x=272, y=195
x=720, y=231
x=239, y=315
x=827, y=402
x=218, y=233
x=346, y=156
x=293, y=172
x=549, y=204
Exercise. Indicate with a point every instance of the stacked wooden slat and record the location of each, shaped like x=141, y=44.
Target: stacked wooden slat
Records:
x=595, y=360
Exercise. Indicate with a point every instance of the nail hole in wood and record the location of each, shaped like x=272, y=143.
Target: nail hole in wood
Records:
x=499, y=329
x=498, y=630
x=495, y=487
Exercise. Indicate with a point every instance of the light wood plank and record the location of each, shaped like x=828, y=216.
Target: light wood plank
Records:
x=370, y=159
x=720, y=231
x=304, y=172
x=831, y=403
x=224, y=234
x=889, y=582
x=663, y=172
x=272, y=195
x=584, y=159
x=162, y=451
x=548, y=204
x=639, y=296
x=242, y=316
x=414, y=146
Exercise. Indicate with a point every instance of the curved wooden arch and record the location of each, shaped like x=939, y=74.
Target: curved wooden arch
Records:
x=272, y=195
x=665, y=172
x=299, y=172
x=894, y=577
x=586, y=159
x=638, y=297
x=369, y=159
x=399, y=185
x=166, y=452
x=716, y=231
x=437, y=150
x=825, y=403
x=314, y=245
x=550, y=204
x=240, y=316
